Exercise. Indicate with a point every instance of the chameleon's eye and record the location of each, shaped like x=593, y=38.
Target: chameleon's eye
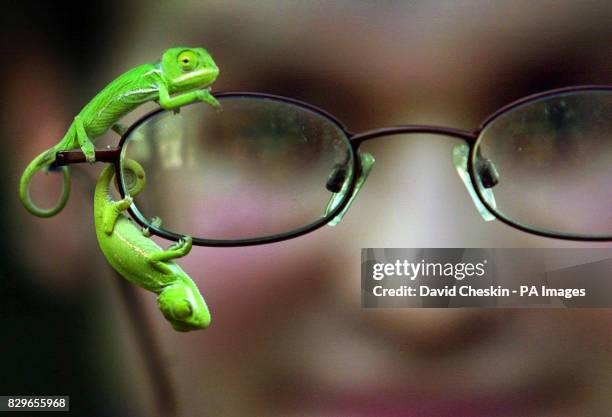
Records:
x=187, y=60
x=182, y=310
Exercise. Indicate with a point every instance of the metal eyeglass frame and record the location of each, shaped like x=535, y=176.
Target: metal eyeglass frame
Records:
x=471, y=137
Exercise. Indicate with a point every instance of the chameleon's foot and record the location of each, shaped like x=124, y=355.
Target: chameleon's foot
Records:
x=182, y=247
x=214, y=103
x=178, y=250
x=124, y=203
x=112, y=213
x=90, y=152
x=155, y=222
x=206, y=97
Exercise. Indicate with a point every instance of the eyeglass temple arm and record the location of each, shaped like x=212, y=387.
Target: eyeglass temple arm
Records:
x=366, y=162
x=460, y=160
x=76, y=156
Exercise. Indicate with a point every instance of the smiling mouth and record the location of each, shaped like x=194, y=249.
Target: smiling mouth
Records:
x=541, y=393
x=206, y=77
x=181, y=327
x=186, y=327
x=414, y=404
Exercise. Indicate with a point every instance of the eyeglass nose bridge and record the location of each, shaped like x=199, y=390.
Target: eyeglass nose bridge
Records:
x=469, y=136
x=459, y=156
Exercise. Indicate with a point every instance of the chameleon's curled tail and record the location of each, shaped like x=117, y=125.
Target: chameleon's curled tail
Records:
x=42, y=161
x=133, y=176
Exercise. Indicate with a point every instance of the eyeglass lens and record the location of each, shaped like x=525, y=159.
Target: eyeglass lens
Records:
x=548, y=163
x=259, y=168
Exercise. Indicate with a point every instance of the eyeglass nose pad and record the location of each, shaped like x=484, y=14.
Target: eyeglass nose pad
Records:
x=338, y=185
x=488, y=176
x=487, y=173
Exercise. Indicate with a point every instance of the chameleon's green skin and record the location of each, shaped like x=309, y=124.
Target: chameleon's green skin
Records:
x=140, y=260
x=183, y=71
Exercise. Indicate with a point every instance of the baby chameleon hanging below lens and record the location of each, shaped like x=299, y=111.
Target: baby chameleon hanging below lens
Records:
x=140, y=260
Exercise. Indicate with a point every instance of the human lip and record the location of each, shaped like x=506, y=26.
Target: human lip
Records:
x=460, y=396
x=373, y=404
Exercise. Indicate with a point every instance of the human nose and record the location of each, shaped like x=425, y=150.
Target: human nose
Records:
x=460, y=157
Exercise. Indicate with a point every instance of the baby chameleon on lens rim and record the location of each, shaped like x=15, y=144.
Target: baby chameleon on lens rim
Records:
x=180, y=70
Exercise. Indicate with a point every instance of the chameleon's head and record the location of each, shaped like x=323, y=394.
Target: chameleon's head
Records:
x=188, y=68
x=183, y=306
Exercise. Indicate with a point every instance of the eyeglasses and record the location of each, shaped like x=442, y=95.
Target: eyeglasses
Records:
x=271, y=168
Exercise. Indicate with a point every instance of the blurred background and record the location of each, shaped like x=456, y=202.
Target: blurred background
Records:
x=288, y=337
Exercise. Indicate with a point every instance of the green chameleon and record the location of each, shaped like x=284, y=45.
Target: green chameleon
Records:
x=140, y=260
x=188, y=71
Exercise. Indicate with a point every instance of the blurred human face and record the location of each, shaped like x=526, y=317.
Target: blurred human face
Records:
x=288, y=336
